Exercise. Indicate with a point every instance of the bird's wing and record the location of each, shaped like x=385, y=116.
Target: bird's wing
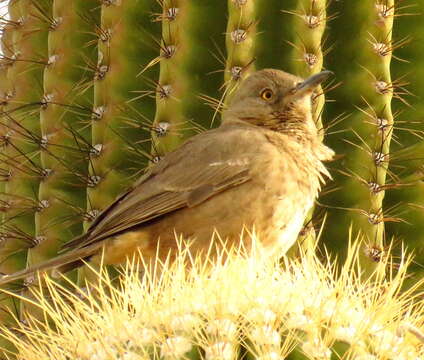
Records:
x=204, y=166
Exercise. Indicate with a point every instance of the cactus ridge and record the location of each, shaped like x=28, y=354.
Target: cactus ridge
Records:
x=24, y=49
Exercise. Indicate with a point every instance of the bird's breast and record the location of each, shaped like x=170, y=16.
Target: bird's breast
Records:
x=288, y=191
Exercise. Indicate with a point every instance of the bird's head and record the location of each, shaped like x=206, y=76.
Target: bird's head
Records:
x=276, y=100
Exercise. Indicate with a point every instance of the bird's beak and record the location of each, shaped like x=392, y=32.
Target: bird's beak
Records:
x=308, y=85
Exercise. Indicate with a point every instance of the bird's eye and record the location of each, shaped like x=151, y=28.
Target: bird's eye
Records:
x=267, y=94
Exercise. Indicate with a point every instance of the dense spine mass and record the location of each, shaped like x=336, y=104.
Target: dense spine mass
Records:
x=25, y=59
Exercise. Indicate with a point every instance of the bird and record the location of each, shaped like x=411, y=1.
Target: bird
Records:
x=260, y=170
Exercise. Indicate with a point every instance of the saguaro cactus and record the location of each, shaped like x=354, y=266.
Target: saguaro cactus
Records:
x=240, y=41
x=309, y=23
x=113, y=159
x=64, y=113
x=26, y=47
x=373, y=126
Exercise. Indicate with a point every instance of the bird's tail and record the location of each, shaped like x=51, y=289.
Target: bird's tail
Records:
x=61, y=263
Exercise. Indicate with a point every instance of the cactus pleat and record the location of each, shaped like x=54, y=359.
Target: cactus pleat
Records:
x=185, y=33
x=27, y=34
x=169, y=121
x=6, y=91
x=64, y=112
x=170, y=125
x=407, y=128
x=371, y=91
x=379, y=113
x=116, y=125
x=240, y=42
x=309, y=23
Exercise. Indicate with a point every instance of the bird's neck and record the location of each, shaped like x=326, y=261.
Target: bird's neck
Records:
x=294, y=124
x=300, y=136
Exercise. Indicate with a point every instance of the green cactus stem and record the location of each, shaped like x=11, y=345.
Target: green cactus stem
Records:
x=170, y=121
x=114, y=163
x=5, y=94
x=240, y=42
x=309, y=23
x=64, y=112
x=25, y=43
x=375, y=124
x=187, y=30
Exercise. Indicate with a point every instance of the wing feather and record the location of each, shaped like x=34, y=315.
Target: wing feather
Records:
x=178, y=181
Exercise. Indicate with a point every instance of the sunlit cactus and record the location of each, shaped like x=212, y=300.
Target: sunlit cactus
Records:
x=373, y=124
x=24, y=58
x=309, y=24
x=169, y=123
x=115, y=159
x=243, y=307
x=378, y=93
x=65, y=130
x=240, y=40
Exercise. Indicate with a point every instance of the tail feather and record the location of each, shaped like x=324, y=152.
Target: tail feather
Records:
x=71, y=259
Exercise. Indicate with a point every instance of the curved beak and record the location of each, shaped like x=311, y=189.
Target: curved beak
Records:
x=308, y=85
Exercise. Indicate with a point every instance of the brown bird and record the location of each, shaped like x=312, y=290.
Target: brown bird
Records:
x=260, y=170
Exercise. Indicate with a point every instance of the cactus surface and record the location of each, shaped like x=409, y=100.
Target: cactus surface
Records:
x=92, y=91
x=241, y=308
x=24, y=58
